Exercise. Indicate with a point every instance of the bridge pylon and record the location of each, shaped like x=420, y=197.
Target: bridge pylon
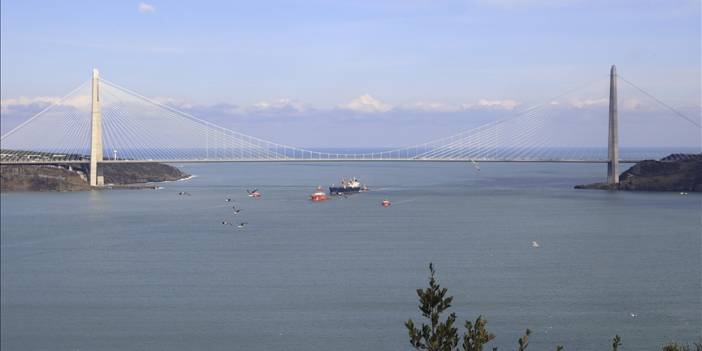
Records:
x=613, y=140
x=96, y=133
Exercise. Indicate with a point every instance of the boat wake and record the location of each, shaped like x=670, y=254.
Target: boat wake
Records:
x=406, y=201
x=187, y=178
x=177, y=180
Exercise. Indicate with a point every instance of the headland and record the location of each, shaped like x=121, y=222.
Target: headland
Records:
x=74, y=178
x=675, y=172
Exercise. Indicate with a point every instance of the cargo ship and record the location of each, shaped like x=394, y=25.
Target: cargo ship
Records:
x=348, y=187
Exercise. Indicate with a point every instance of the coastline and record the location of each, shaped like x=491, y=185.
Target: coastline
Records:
x=60, y=178
x=189, y=177
x=155, y=185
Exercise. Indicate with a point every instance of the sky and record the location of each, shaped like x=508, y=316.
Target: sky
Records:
x=357, y=73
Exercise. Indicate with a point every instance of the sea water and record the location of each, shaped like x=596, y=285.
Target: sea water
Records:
x=154, y=270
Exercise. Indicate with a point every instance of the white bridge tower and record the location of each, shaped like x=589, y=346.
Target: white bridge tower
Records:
x=613, y=140
x=96, y=133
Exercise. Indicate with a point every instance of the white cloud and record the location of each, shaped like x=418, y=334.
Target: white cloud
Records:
x=172, y=102
x=589, y=102
x=285, y=106
x=79, y=101
x=507, y=104
x=22, y=102
x=482, y=104
x=268, y=107
x=368, y=104
x=146, y=8
x=6, y=104
x=280, y=104
x=435, y=107
x=634, y=104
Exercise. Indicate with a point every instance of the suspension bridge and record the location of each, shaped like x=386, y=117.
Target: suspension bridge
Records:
x=113, y=124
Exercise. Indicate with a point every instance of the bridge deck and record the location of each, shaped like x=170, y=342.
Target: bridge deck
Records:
x=70, y=162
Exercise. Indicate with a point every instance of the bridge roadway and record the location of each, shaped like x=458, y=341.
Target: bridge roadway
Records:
x=72, y=162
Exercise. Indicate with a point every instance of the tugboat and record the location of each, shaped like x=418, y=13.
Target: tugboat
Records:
x=347, y=187
x=386, y=203
x=319, y=195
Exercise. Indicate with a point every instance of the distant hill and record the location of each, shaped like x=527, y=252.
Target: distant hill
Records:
x=676, y=172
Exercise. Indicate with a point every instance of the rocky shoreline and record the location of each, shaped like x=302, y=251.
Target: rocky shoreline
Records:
x=72, y=178
x=677, y=172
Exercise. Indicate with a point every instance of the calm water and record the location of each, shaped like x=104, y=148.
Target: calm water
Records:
x=145, y=269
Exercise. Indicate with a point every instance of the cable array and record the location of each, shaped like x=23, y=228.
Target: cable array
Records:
x=138, y=128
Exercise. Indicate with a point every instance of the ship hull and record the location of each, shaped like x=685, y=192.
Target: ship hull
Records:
x=318, y=198
x=344, y=190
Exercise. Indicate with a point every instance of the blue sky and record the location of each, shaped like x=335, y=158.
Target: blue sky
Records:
x=308, y=63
